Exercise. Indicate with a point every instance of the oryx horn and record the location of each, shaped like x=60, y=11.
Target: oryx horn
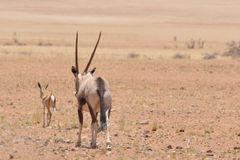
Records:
x=76, y=53
x=94, y=50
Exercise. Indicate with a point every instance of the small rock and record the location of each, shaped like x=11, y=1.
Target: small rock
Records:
x=129, y=135
x=61, y=140
x=115, y=134
x=209, y=151
x=154, y=129
x=179, y=147
x=146, y=133
x=144, y=122
x=46, y=142
x=236, y=148
x=67, y=141
x=239, y=134
x=181, y=130
x=210, y=154
x=169, y=147
x=146, y=136
x=182, y=88
x=11, y=156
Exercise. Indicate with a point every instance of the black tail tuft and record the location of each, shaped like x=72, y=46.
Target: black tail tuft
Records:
x=101, y=91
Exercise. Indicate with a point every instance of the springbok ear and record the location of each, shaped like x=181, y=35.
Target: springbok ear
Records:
x=46, y=86
x=39, y=85
x=93, y=70
x=74, y=70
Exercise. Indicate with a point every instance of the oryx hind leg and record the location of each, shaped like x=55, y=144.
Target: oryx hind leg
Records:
x=80, y=117
x=108, y=144
x=98, y=127
x=93, y=127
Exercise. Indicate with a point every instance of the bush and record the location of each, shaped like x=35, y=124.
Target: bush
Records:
x=200, y=43
x=191, y=44
x=133, y=55
x=208, y=56
x=233, y=49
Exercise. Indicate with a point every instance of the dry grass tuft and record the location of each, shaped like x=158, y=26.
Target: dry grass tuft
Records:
x=133, y=55
x=41, y=43
x=209, y=56
x=36, y=118
x=181, y=56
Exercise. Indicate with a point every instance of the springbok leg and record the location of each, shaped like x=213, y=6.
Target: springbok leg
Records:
x=49, y=116
x=43, y=116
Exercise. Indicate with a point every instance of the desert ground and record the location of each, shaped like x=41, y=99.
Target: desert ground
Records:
x=171, y=99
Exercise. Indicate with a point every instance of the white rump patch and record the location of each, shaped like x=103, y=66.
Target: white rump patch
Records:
x=52, y=98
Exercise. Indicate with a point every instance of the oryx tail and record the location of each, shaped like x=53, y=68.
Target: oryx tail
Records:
x=101, y=90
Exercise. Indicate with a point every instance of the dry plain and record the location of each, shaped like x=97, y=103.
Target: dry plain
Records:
x=169, y=102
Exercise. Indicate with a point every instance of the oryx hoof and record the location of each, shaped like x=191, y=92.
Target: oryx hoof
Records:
x=109, y=146
x=99, y=129
x=93, y=145
x=78, y=144
x=102, y=128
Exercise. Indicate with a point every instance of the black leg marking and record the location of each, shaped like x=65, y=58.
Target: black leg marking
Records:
x=93, y=115
x=94, y=126
x=80, y=114
x=80, y=117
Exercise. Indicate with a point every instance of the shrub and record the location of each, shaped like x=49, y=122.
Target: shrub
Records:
x=191, y=44
x=200, y=43
x=133, y=55
x=233, y=49
x=208, y=56
x=181, y=56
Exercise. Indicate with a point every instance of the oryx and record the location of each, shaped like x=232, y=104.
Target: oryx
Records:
x=94, y=92
x=48, y=101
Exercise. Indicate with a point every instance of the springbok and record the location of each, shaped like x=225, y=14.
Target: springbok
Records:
x=48, y=101
x=93, y=95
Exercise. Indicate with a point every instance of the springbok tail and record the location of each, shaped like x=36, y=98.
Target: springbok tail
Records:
x=54, y=104
x=101, y=91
